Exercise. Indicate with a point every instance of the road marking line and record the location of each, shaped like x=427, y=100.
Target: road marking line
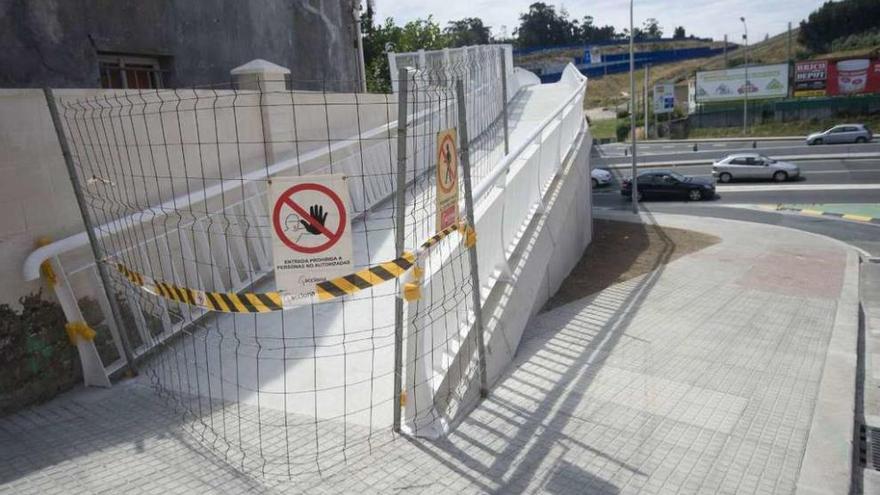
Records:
x=828, y=214
x=858, y=218
x=801, y=187
x=871, y=170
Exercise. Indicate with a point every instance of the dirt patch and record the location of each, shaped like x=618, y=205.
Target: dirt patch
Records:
x=624, y=250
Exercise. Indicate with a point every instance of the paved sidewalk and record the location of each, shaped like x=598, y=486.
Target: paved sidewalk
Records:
x=700, y=377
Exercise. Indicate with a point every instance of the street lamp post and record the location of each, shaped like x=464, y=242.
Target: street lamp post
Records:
x=746, y=92
x=632, y=110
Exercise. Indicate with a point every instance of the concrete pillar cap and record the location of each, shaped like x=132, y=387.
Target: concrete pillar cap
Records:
x=259, y=66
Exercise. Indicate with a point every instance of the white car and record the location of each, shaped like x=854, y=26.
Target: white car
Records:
x=601, y=177
x=753, y=166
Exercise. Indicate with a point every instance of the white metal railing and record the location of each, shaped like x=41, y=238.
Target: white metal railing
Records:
x=506, y=201
x=522, y=174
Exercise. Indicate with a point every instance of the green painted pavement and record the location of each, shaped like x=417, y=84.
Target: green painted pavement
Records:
x=863, y=209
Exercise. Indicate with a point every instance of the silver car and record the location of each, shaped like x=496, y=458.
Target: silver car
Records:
x=600, y=177
x=753, y=166
x=843, y=133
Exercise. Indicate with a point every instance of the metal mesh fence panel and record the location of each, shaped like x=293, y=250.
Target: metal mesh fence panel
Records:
x=176, y=182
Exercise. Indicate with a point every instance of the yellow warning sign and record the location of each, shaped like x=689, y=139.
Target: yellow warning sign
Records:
x=447, y=179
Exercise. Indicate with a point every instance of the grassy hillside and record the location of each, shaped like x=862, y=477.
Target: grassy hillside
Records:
x=606, y=91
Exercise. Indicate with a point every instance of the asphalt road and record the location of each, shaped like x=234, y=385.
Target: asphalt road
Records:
x=848, y=180
x=861, y=235
x=652, y=152
x=667, y=147
x=822, y=181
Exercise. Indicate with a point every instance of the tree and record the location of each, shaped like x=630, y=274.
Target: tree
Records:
x=378, y=39
x=679, y=34
x=835, y=20
x=587, y=32
x=543, y=26
x=651, y=29
x=467, y=31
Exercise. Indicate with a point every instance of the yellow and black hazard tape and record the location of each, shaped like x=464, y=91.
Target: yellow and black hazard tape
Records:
x=383, y=272
x=364, y=279
x=226, y=302
x=434, y=239
x=264, y=302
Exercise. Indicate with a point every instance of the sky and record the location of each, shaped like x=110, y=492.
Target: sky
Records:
x=703, y=18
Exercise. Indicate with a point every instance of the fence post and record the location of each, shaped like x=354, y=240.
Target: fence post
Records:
x=463, y=150
x=90, y=231
x=504, y=100
x=400, y=225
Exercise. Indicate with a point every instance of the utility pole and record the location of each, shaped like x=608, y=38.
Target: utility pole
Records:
x=632, y=114
x=788, y=44
x=725, y=52
x=362, y=68
x=647, y=70
x=746, y=92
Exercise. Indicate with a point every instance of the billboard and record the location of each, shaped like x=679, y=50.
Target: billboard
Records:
x=810, y=78
x=837, y=77
x=765, y=81
x=664, y=97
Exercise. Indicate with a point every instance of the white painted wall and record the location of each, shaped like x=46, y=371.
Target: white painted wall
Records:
x=36, y=197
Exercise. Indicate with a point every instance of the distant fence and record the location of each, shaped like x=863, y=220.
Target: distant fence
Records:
x=539, y=48
x=176, y=185
x=619, y=62
x=762, y=111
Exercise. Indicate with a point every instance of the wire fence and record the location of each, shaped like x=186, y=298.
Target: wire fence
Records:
x=785, y=110
x=176, y=184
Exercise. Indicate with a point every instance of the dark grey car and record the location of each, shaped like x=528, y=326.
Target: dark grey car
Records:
x=843, y=133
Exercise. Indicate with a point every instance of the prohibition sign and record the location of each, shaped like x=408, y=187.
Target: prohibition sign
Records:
x=446, y=157
x=286, y=199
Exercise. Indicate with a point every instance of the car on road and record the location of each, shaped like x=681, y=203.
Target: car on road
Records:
x=753, y=166
x=668, y=184
x=843, y=133
x=600, y=177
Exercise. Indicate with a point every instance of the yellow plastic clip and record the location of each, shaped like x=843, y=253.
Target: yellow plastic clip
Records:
x=470, y=237
x=46, y=267
x=417, y=272
x=79, y=330
x=402, y=398
x=412, y=291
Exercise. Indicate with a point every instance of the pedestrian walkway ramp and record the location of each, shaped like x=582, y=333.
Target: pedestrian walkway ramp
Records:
x=177, y=185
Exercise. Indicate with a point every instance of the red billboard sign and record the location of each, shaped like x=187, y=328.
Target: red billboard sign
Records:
x=837, y=77
x=810, y=78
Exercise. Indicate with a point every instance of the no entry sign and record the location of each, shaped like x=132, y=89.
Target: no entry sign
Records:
x=447, y=179
x=311, y=232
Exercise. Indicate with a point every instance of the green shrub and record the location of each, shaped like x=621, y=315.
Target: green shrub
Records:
x=38, y=359
x=622, y=114
x=867, y=39
x=622, y=131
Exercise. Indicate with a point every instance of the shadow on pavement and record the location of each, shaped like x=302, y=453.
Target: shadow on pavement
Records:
x=534, y=424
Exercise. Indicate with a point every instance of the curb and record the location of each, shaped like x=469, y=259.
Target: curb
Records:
x=828, y=459
x=818, y=213
x=827, y=465
x=709, y=161
x=728, y=140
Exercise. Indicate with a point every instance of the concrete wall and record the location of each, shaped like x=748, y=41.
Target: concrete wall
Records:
x=204, y=133
x=55, y=42
x=35, y=193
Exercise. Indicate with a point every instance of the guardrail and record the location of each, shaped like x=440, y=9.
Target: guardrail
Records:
x=248, y=258
x=506, y=200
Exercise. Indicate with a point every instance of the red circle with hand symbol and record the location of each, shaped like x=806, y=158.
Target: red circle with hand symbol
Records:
x=312, y=219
